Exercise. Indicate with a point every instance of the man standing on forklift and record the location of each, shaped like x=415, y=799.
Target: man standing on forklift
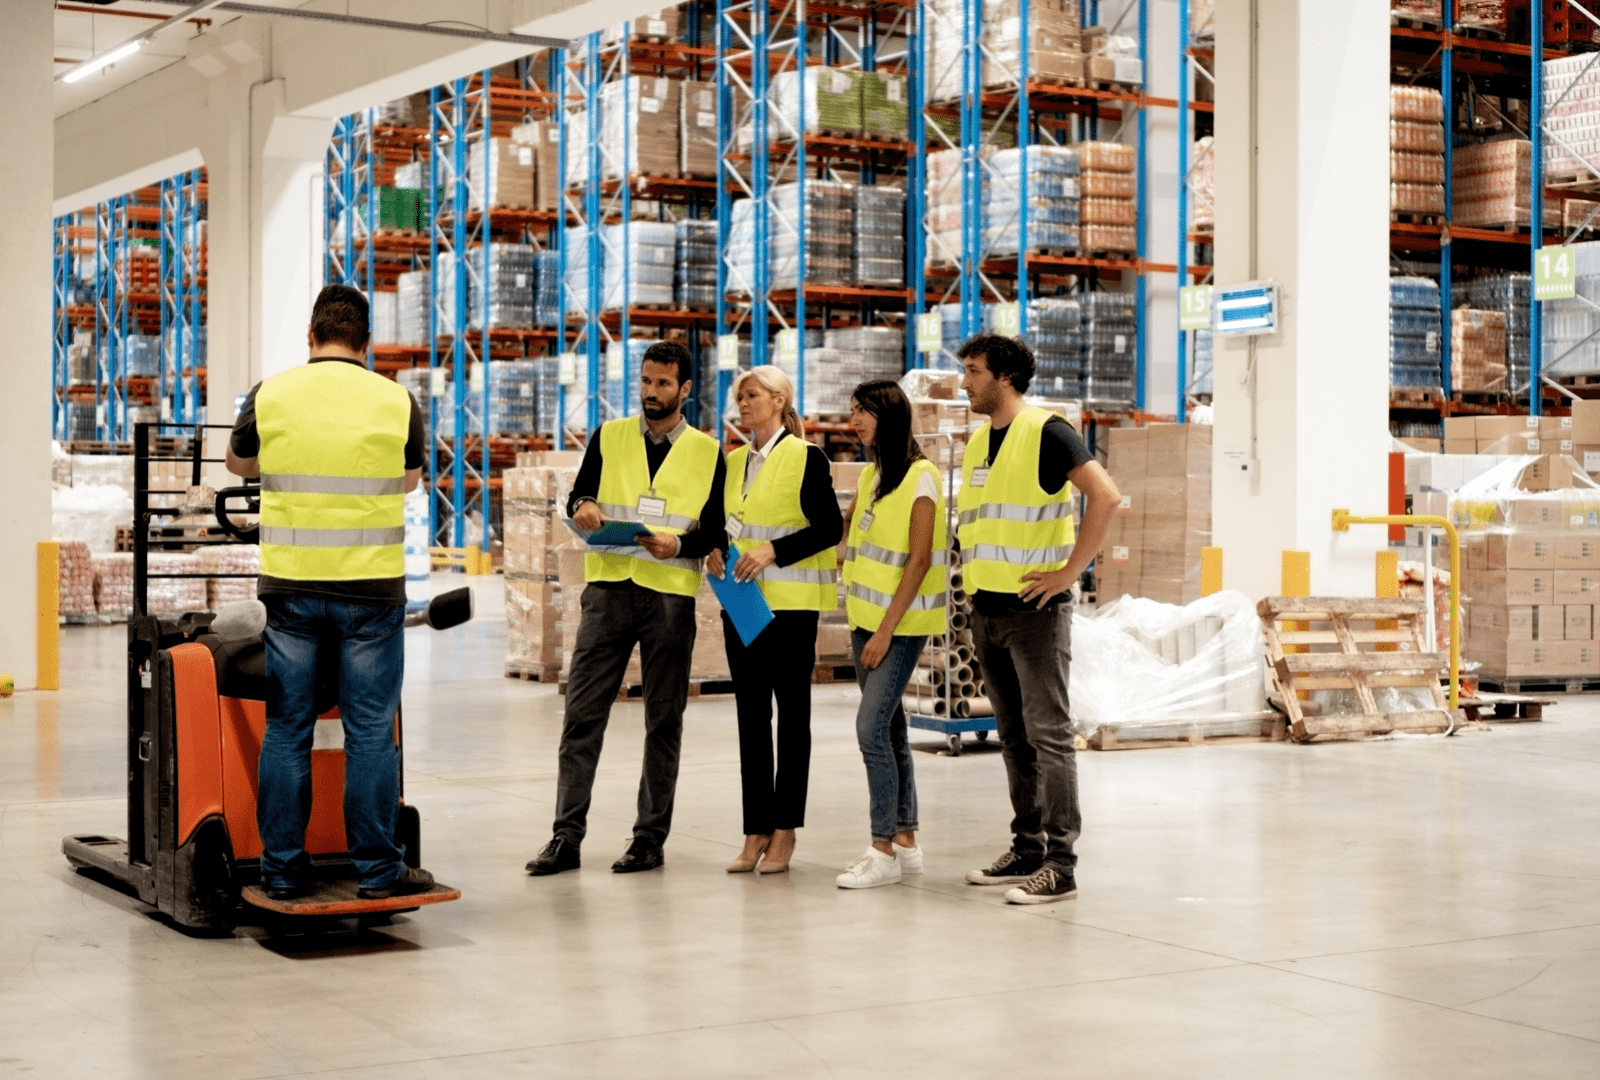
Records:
x=656, y=471
x=336, y=447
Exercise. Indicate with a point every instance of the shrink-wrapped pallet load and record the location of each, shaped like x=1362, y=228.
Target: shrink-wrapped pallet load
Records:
x=1416, y=151
x=1153, y=546
x=639, y=118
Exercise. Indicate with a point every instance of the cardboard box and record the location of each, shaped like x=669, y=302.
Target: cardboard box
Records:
x=1519, y=551
x=1506, y=623
x=1488, y=429
x=1127, y=453
x=1555, y=427
x=1506, y=588
x=1579, y=622
x=1461, y=429
x=1575, y=552
x=1553, y=472
x=1426, y=446
x=1586, y=422
x=1179, y=450
x=1550, y=622
x=1461, y=446
x=1576, y=587
x=1576, y=657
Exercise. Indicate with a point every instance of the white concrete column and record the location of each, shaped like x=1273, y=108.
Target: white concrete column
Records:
x=26, y=153
x=1302, y=158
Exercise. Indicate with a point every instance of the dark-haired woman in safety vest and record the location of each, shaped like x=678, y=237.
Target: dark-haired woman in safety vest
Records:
x=894, y=572
x=783, y=518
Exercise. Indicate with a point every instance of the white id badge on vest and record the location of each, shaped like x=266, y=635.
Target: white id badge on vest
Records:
x=650, y=506
x=735, y=528
x=866, y=521
x=980, y=477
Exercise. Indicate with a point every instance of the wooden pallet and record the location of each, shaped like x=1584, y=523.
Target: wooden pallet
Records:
x=1393, y=631
x=1406, y=217
x=1505, y=708
x=834, y=671
x=1273, y=729
x=522, y=669
x=1538, y=684
x=1584, y=182
x=1414, y=395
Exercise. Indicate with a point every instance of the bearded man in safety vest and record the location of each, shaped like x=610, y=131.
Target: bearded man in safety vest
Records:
x=654, y=470
x=1019, y=563
x=336, y=447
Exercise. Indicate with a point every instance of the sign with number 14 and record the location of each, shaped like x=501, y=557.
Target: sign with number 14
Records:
x=1555, y=274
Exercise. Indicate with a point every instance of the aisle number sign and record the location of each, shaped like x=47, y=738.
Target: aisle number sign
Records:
x=789, y=347
x=1194, y=307
x=614, y=366
x=1008, y=319
x=1555, y=274
x=728, y=352
x=930, y=332
x=567, y=368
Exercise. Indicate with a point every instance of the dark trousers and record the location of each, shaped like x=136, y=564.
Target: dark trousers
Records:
x=616, y=616
x=778, y=663
x=1025, y=659
x=368, y=644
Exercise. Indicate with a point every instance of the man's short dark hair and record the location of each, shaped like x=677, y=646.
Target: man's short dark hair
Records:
x=1005, y=356
x=672, y=352
x=339, y=317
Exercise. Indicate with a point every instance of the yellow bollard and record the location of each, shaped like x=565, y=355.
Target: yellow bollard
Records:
x=49, y=615
x=1296, y=575
x=1386, y=586
x=8, y=686
x=1210, y=570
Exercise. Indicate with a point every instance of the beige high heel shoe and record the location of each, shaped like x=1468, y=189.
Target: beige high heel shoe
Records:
x=767, y=866
x=742, y=865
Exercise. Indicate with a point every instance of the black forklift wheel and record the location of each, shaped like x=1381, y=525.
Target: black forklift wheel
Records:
x=983, y=736
x=953, y=744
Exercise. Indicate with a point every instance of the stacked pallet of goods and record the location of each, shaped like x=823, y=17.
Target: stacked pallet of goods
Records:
x=1416, y=151
x=1153, y=546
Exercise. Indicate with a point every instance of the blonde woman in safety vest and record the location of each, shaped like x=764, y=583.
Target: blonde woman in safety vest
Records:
x=895, y=564
x=1019, y=563
x=783, y=517
x=654, y=470
x=337, y=448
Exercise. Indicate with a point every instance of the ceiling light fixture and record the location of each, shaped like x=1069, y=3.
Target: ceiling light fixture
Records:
x=133, y=44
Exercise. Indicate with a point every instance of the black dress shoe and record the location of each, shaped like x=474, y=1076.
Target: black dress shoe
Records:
x=297, y=891
x=407, y=884
x=641, y=855
x=558, y=855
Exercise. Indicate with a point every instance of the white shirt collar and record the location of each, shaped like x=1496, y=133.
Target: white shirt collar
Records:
x=770, y=443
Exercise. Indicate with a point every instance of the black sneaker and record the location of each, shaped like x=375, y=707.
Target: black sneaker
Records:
x=558, y=855
x=410, y=883
x=298, y=891
x=1008, y=869
x=1045, y=887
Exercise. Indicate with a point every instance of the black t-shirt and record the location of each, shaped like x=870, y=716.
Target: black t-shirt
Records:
x=1060, y=452
x=382, y=592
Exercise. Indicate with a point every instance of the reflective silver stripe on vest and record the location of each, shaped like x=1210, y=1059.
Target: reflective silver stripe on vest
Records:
x=796, y=574
x=634, y=552
x=868, y=550
x=618, y=512
x=1014, y=512
x=769, y=532
x=931, y=602
x=285, y=536
x=305, y=484
x=1020, y=556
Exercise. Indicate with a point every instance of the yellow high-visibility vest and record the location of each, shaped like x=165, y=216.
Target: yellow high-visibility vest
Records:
x=683, y=482
x=879, y=548
x=771, y=511
x=333, y=439
x=1007, y=523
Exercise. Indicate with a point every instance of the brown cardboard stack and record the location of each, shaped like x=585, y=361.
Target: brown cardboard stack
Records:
x=1153, y=546
x=510, y=173
x=663, y=25
x=1416, y=150
x=76, y=582
x=1477, y=350
x=1052, y=38
x=1533, y=577
x=529, y=529
x=697, y=130
x=1522, y=434
x=1491, y=185
x=639, y=117
x=544, y=139
x=1109, y=210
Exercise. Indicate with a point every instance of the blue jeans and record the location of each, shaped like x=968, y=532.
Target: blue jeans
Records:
x=367, y=643
x=881, y=733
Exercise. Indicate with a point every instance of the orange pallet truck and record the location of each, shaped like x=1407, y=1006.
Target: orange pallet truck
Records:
x=196, y=716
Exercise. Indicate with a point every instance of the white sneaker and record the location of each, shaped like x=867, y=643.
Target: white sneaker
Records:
x=871, y=870
x=910, y=858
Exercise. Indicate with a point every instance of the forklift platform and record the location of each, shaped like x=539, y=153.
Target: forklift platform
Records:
x=337, y=899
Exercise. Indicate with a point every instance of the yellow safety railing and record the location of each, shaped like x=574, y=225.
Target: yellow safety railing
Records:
x=1343, y=519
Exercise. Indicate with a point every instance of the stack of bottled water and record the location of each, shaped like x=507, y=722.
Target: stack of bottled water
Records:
x=1507, y=293
x=643, y=253
x=695, y=279
x=510, y=287
x=1055, y=333
x=1110, y=339
x=880, y=229
x=546, y=288
x=1414, y=325
x=1052, y=195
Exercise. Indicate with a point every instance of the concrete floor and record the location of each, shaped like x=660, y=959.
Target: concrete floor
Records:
x=1413, y=908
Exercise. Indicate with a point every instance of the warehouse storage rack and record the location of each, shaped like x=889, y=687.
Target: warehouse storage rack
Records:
x=1436, y=47
x=104, y=282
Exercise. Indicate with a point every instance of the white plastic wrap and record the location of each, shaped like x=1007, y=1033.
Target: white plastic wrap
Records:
x=1148, y=670
x=91, y=513
x=1513, y=496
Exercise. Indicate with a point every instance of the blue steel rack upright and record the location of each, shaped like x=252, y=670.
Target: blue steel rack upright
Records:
x=181, y=326
x=63, y=292
x=350, y=202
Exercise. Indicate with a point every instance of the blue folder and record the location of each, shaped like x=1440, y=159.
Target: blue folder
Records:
x=611, y=534
x=742, y=600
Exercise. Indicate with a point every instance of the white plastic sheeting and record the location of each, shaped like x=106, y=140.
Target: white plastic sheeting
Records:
x=1148, y=670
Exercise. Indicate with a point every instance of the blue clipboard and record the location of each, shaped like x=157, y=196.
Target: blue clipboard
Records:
x=611, y=534
x=742, y=600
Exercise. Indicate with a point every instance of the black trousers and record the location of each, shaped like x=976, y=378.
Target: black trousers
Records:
x=616, y=615
x=778, y=663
